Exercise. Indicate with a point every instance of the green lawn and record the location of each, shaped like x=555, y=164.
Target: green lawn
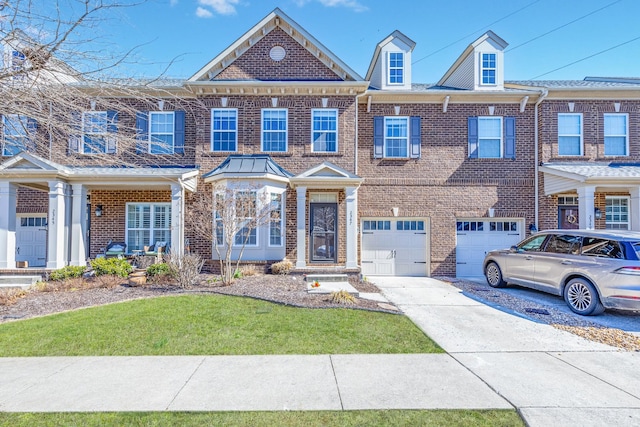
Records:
x=211, y=325
x=256, y=419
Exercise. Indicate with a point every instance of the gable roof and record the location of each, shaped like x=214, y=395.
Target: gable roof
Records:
x=276, y=19
x=326, y=175
x=376, y=53
x=489, y=35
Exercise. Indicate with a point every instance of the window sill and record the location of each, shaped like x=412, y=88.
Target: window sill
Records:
x=323, y=154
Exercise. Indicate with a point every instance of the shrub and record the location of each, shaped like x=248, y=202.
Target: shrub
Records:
x=186, y=268
x=67, y=272
x=162, y=269
x=283, y=267
x=248, y=270
x=342, y=297
x=11, y=296
x=68, y=284
x=115, y=266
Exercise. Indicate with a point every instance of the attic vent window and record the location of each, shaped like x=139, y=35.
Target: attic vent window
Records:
x=277, y=53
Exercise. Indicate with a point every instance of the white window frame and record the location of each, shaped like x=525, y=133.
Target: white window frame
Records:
x=487, y=138
x=224, y=131
x=254, y=231
x=484, y=68
x=395, y=67
x=609, y=213
x=85, y=147
x=153, y=230
x=277, y=204
x=264, y=132
x=387, y=138
x=168, y=149
x=580, y=135
x=625, y=135
x=323, y=131
x=14, y=128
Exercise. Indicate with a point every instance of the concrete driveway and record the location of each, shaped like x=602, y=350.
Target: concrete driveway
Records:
x=552, y=377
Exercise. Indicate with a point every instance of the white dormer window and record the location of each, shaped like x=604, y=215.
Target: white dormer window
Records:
x=396, y=68
x=489, y=68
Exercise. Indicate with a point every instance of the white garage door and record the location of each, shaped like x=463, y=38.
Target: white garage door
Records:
x=477, y=237
x=31, y=240
x=394, y=247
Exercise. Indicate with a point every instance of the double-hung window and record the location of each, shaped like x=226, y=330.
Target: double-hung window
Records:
x=396, y=68
x=275, y=221
x=148, y=223
x=616, y=134
x=396, y=137
x=245, y=213
x=17, y=131
x=570, y=134
x=324, y=132
x=617, y=213
x=274, y=129
x=160, y=132
x=96, y=132
x=492, y=137
x=224, y=129
x=488, y=68
x=161, y=127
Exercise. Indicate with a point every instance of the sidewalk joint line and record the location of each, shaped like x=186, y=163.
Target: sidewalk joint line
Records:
x=185, y=383
x=335, y=378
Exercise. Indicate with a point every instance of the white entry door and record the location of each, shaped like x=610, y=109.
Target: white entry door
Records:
x=31, y=239
x=394, y=247
x=476, y=237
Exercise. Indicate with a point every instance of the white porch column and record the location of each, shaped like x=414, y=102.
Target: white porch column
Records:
x=634, y=209
x=7, y=224
x=586, y=206
x=302, y=220
x=352, y=226
x=177, y=219
x=78, y=225
x=56, y=234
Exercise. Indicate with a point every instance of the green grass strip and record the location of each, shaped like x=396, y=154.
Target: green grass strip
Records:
x=282, y=419
x=211, y=325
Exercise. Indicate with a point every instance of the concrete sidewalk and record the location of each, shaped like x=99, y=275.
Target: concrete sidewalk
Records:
x=552, y=377
x=241, y=383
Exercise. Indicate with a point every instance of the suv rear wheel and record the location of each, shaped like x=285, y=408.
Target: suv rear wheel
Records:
x=582, y=298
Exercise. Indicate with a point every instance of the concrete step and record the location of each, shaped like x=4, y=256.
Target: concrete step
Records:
x=19, y=281
x=329, y=287
x=327, y=277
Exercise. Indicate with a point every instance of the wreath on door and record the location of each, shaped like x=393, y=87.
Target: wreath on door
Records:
x=571, y=219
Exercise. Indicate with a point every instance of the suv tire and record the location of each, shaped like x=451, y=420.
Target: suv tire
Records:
x=494, y=276
x=582, y=298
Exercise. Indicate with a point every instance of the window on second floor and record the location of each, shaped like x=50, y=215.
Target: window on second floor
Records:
x=570, y=134
x=97, y=127
x=224, y=129
x=160, y=132
x=488, y=69
x=396, y=68
x=492, y=137
x=396, y=137
x=17, y=134
x=616, y=134
x=274, y=129
x=324, y=131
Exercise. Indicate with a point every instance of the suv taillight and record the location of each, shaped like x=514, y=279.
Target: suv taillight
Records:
x=629, y=270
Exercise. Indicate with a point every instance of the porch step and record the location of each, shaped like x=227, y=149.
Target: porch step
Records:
x=330, y=283
x=21, y=281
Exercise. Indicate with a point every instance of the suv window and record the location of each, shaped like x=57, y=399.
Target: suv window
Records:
x=533, y=244
x=594, y=246
x=563, y=244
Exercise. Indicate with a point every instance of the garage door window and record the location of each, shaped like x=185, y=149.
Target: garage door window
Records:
x=410, y=225
x=376, y=225
x=503, y=226
x=470, y=226
x=33, y=222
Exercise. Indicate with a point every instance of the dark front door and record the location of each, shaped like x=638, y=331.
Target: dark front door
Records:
x=568, y=217
x=323, y=232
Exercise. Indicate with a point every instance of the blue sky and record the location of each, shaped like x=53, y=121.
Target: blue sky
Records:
x=543, y=35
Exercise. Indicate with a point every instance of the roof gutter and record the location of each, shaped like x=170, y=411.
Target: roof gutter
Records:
x=536, y=184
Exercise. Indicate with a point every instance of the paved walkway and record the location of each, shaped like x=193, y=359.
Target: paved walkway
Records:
x=494, y=360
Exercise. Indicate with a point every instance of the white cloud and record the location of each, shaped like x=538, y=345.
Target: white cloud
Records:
x=173, y=3
x=221, y=7
x=352, y=4
x=201, y=12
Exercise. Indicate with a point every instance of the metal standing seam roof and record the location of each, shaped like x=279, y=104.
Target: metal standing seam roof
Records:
x=249, y=164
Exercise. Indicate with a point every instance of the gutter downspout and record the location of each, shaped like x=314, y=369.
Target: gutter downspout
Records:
x=543, y=94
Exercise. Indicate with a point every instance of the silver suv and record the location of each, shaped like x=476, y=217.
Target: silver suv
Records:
x=592, y=269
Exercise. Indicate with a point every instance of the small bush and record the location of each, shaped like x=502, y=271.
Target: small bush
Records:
x=115, y=266
x=67, y=272
x=283, y=267
x=162, y=269
x=68, y=284
x=342, y=297
x=11, y=296
x=186, y=268
x=248, y=270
